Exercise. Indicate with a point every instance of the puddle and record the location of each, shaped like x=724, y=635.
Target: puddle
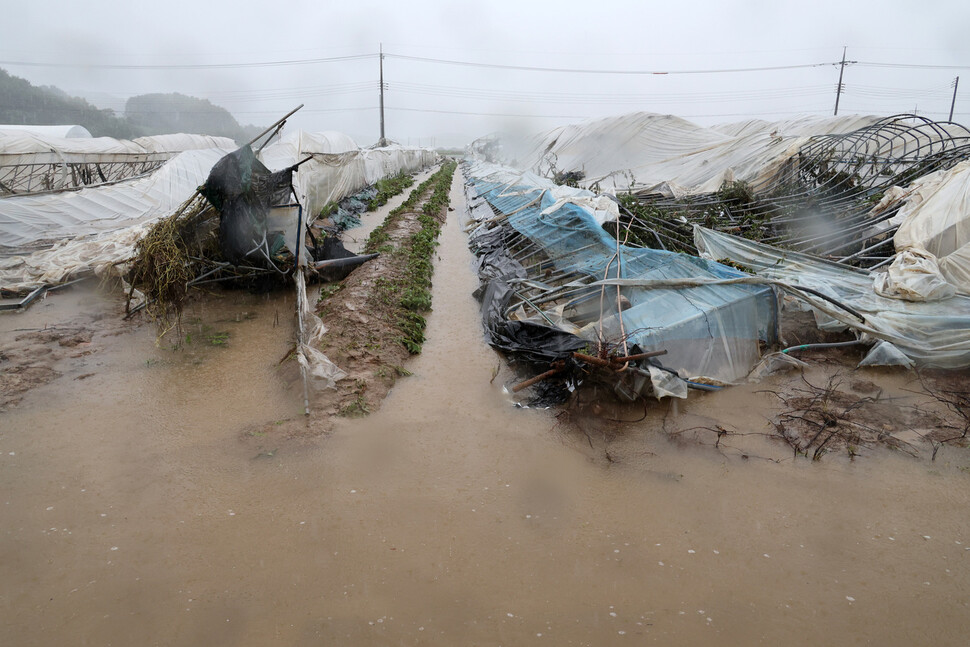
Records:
x=132, y=513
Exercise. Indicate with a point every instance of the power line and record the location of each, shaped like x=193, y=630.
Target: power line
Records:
x=486, y=114
x=914, y=66
x=196, y=66
x=528, y=68
x=606, y=98
x=534, y=116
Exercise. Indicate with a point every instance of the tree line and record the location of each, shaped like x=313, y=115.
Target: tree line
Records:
x=22, y=103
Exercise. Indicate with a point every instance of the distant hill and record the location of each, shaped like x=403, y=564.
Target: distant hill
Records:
x=159, y=114
x=147, y=114
x=23, y=103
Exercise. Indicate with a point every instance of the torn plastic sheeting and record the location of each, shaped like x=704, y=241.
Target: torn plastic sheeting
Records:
x=936, y=218
x=494, y=260
x=666, y=153
x=339, y=167
x=312, y=328
x=932, y=334
x=99, y=209
x=713, y=331
x=526, y=339
x=707, y=328
x=480, y=212
x=242, y=190
x=666, y=384
x=326, y=374
x=773, y=363
x=100, y=254
x=914, y=275
x=313, y=362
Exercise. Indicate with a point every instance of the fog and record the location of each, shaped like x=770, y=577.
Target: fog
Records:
x=259, y=60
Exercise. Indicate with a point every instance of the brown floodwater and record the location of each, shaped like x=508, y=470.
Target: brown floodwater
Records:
x=133, y=510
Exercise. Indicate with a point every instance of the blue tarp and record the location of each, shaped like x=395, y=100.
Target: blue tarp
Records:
x=708, y=330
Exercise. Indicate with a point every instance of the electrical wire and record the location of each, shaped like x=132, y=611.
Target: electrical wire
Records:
x=912, y=66
x=529, y=68
x=193, y=66
x=607, y=98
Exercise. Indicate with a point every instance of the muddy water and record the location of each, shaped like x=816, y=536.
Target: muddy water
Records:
x=355, y=239
x=131, y=513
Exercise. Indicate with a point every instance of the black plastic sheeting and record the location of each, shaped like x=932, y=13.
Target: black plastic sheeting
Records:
x=494, y=260
x=534, y=343
x=333, y=261
x=242, y=190
x=526, y=340
x=523, y=339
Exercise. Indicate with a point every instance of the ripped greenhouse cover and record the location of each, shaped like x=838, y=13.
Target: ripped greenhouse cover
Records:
x=932, y=334
x=712, y=331
x=935, y=218
x=96, y=227
x=642, y=151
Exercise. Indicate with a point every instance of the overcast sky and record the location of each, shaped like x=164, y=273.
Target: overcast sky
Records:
x=73, y=45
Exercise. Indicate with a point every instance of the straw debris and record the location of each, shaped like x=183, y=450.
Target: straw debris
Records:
x=161, y=268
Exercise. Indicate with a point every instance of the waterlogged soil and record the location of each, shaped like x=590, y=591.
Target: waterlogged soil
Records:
x=363, y=337
x=34, y=354
x=136, y=510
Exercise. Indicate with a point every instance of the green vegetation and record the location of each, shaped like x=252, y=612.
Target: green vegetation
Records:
x=329, y=209
x=416, y=283
x=218, y=338
x=668, y=223
x=411, y=293
x=389, y=187
x=357, y=408
x=330, y=289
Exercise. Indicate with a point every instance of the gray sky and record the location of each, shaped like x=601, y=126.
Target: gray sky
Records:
x=454, y=103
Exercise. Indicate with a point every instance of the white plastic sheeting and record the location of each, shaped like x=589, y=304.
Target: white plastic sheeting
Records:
x=914, y=275
x=178, y=142
x=663, y=153
x=67, y=130
x=98, y=226
x=29, y=219
x=25, y=147
x=936, y=219
x=932, y=334
x=33, y=162
x=339, y=167
x=70, y=257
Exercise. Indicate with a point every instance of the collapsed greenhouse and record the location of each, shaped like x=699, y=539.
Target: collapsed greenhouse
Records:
x=690, y=241
x=50, y=236
x=642, y=251
x=197, y=210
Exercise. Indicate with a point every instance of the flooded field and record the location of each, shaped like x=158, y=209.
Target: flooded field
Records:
x=134, y=509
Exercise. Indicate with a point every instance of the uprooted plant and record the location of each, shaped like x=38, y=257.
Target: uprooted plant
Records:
x=823, y=418
x=957, y=402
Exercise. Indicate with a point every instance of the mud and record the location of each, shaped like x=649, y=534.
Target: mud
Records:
x=134, y=511
x=34, y=351
x=363, y=336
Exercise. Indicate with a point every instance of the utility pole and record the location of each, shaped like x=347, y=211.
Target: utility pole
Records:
x=838, y=90
x=956, y=84
x=383, y=141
